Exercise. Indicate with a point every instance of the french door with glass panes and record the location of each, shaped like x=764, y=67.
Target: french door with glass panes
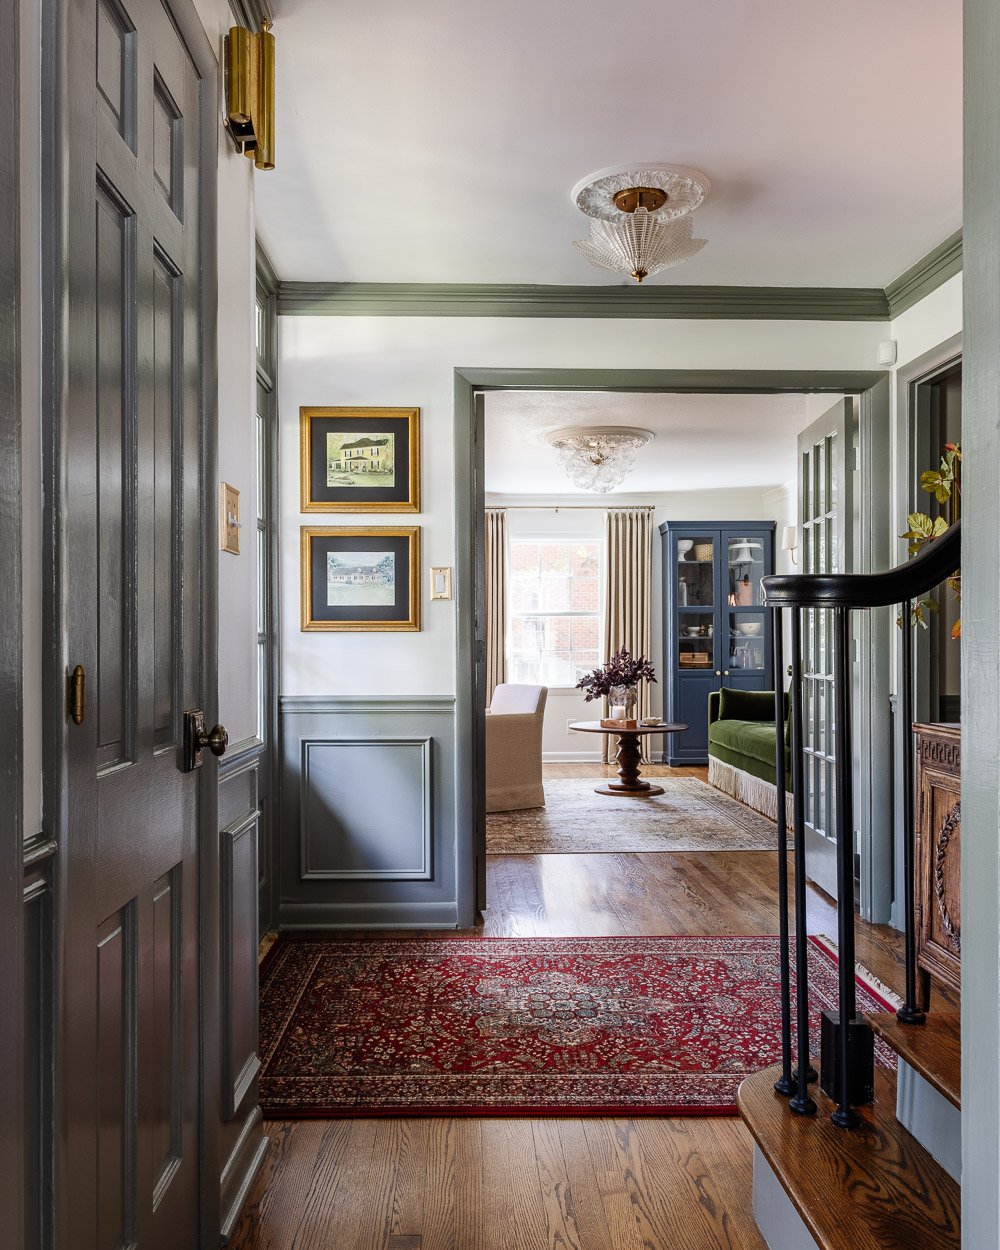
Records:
x=824, y=509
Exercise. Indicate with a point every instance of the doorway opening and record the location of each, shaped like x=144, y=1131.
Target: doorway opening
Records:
x=548, y=634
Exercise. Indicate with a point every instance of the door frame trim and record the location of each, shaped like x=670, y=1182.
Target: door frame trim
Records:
x=56, y=109
x=872, y=386
x=910, y=378
x=11, y=626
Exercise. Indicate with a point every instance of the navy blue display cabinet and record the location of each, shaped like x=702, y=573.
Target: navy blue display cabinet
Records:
x=715, y=631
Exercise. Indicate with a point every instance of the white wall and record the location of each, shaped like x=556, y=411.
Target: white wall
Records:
x=237, y=415
x=410, y=360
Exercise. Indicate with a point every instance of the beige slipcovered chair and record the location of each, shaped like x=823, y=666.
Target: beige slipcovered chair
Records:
x=514, y=748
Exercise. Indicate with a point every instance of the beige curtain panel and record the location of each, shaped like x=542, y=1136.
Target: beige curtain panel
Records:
x=628, y=594
x=496, y=598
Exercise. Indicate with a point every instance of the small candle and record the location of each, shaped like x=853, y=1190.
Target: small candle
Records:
x=618, y=711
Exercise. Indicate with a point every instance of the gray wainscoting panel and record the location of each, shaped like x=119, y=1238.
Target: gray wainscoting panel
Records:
x=368, y=812
x=240, y=1062
x=242, y=1142
x=366, y=809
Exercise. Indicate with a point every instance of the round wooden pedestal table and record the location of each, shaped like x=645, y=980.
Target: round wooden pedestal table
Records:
x=629, y=756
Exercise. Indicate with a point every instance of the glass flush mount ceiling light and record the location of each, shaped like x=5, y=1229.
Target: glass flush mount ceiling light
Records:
x=641, y=218
x=598, y=457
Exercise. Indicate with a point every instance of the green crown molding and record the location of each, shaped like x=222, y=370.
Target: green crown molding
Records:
x=926, y=275
x=765, y=303
x=417, y=299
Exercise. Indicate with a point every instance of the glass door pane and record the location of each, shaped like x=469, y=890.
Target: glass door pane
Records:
x=745, y=560
x=696, y=571
x=695, y=640
x=747, y=642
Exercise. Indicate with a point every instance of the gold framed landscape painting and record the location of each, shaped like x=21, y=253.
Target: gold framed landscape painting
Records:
x=362, y=578
x=360, y=459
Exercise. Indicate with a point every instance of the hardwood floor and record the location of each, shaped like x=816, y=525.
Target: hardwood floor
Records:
x=522, y=1184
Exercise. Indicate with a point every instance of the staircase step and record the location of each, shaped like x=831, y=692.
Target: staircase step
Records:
x=873, y=1187
x=933, y=1049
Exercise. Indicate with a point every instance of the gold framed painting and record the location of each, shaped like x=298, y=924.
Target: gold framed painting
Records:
x=360, y=578
x=360, y=459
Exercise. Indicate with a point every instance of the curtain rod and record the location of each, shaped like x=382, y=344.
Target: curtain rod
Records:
x=568, y=507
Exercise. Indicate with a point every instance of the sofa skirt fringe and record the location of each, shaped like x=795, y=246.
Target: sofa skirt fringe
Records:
x=762, y=796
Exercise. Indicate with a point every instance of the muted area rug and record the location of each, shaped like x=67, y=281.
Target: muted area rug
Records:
x=526, y=1026
x=690, y=816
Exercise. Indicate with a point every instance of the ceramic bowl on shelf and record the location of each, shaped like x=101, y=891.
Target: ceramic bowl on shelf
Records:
x=750, y=628
x=684, y=545
x=691, y=631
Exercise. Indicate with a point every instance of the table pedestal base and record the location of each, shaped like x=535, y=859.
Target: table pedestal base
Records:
x=629, y=782
x=642, y=791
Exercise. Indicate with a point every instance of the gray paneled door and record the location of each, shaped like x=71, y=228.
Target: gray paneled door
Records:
x=824, y=511
x=127, y=1092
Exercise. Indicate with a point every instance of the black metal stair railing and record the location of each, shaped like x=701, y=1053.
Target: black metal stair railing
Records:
x=850, y=1040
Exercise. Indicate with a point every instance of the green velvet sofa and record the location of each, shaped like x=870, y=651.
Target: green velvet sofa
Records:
x=741, y=748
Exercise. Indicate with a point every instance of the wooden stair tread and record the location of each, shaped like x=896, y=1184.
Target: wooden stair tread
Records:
x=933, y=1049
x=873, y=1187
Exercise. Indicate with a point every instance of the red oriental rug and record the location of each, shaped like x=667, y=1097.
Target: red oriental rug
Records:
x=525, y=1026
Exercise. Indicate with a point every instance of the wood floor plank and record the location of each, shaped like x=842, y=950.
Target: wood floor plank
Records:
x=562, y=1232
x=513, y=1206
x=588, y=1209
x=410, y=1182
x=622, y=1187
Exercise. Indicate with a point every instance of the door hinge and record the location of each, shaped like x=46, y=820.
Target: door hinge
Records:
x=76, y=695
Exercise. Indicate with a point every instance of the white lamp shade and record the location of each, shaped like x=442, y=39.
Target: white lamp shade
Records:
x=789, y=538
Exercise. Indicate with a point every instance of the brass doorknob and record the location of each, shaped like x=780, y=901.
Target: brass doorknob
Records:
x=217, y=739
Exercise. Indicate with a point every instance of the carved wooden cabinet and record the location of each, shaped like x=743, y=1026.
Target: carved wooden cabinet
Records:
x=938, y=845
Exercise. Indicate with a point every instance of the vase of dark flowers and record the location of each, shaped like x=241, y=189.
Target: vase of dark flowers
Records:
x=618, y=682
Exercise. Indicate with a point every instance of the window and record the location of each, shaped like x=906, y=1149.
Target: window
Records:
x=554, y=606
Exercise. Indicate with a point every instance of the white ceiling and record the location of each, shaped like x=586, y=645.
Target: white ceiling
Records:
x=437, y=141
x=703, y=442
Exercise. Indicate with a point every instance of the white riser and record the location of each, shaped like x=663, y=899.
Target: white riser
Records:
x=780, y=1224
x=931, y=1118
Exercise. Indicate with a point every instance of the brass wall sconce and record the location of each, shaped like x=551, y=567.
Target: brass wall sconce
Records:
x=250, y=92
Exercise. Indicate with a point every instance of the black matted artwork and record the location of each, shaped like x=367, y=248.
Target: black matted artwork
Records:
x=361, y=578
x=360, y=459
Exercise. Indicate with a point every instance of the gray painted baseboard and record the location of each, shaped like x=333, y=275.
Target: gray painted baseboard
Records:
x=241, y=1171
x=375, y=915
